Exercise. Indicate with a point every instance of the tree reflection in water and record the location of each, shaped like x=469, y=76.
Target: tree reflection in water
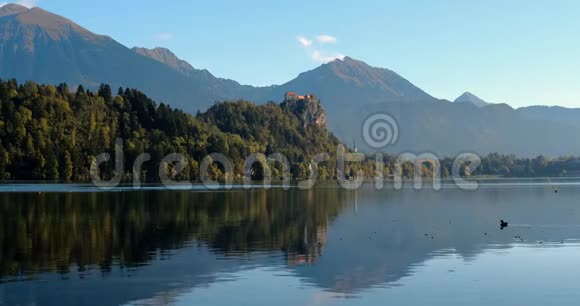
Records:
x=55, y=231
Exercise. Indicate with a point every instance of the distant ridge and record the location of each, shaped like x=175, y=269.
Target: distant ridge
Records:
x=167, y=57
x=349, y=78
x=41, y=46
x=46, y=48
x=468, y=97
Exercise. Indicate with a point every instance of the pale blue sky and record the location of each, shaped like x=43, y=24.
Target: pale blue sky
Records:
x=518, y=52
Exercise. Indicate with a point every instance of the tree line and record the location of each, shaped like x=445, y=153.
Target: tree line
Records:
x=54, y=133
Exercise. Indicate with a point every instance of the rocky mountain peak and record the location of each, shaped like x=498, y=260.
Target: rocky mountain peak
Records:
x=12, y=9
x=468, y=97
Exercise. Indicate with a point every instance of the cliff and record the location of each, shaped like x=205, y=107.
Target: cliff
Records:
x=309, y=110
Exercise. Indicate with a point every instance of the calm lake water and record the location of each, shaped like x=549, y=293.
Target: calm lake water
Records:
x=73, y=245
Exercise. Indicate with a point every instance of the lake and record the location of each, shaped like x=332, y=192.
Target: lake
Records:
x=76, y=245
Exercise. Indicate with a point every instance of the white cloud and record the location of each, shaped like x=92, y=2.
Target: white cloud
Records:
x=325, y=58
x=317, y=55
x=305, y=42
x=164, y=36
x=326, y=39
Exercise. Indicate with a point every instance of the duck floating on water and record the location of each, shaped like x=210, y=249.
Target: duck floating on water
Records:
x=503, y=224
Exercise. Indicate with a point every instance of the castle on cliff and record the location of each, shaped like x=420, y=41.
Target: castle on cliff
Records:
x=292, y=96
x=307, y=108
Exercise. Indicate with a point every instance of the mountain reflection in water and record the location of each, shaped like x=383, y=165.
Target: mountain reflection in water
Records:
x=71, y=248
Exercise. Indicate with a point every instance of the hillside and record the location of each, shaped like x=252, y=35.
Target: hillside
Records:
x=554, y=114
x=356, y=90
x=52, y=133
x=167, y=57
x=46, y=48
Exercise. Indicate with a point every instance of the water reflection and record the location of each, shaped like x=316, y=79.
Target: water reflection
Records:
x=394, y=232
x=69, y=248
x=52, y=231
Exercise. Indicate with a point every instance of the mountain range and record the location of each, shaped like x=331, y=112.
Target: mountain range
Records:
x=46, y=48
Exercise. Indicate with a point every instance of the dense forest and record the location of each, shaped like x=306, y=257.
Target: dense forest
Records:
x=54, y=133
